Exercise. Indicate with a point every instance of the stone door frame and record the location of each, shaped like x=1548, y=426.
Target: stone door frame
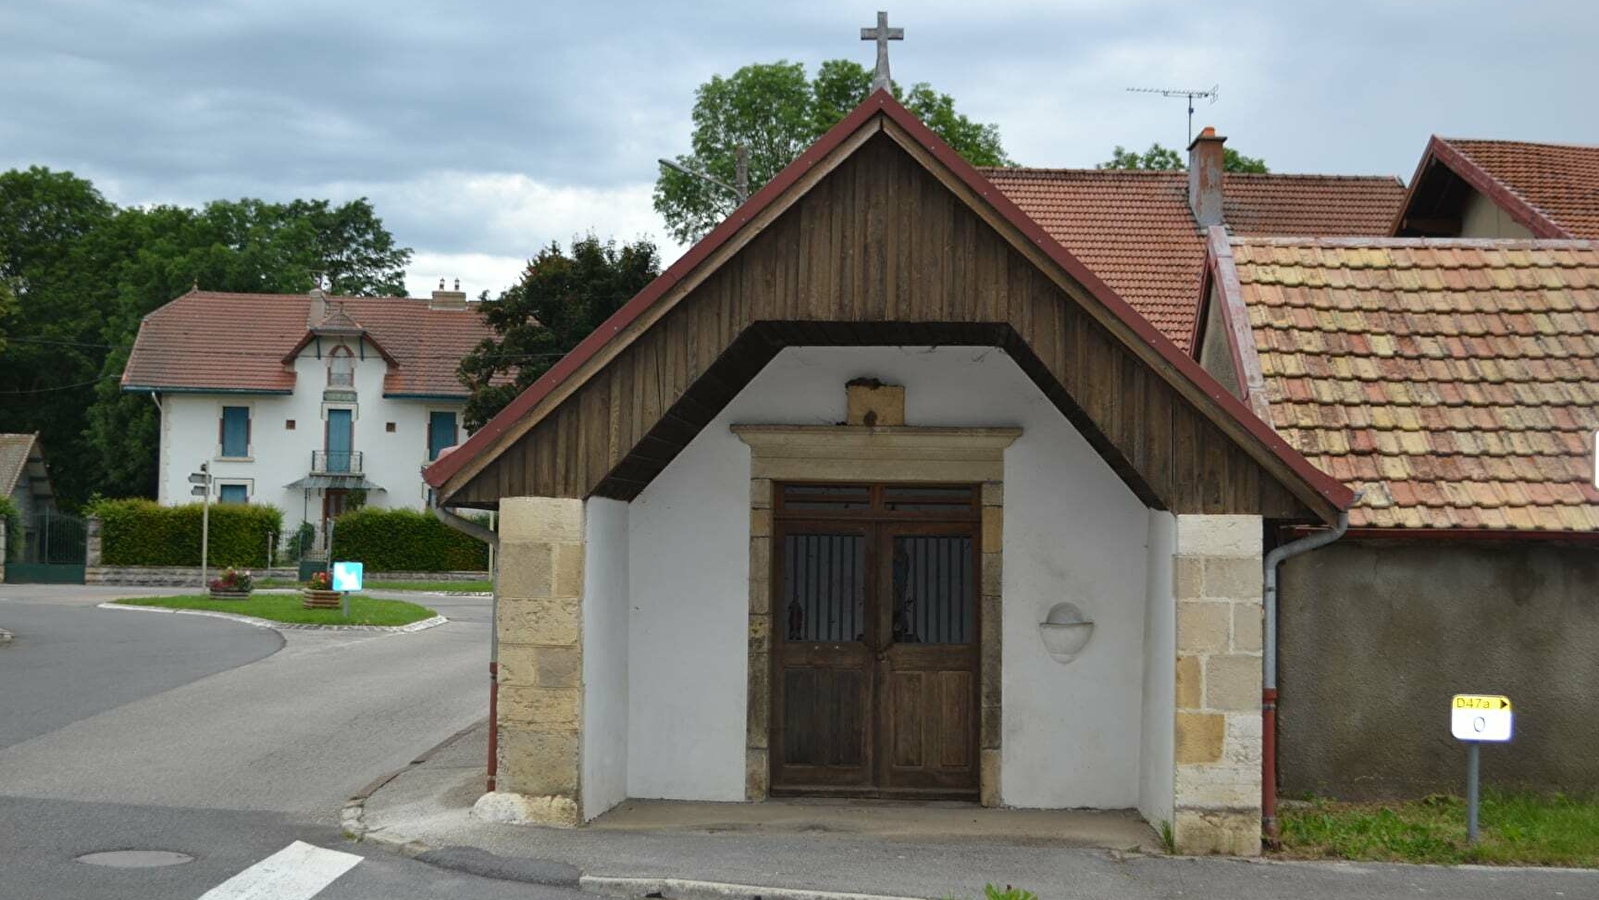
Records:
x=850, y=453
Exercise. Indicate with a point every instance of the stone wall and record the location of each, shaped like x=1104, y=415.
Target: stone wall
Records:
x=1218, y=581
x=1376, y=637
x=540, y=631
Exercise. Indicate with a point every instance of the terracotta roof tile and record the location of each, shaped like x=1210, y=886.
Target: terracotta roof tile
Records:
x=1135, y=231
x=1462, y=404
x=1559, y=180
x=211, y=341
x=14, y=452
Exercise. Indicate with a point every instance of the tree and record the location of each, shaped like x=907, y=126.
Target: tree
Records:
x=62, y=286
x=562, y=297
x=775, y=111
x=1167, y=159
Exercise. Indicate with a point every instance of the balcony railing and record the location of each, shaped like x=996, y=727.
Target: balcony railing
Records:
x=336, y=462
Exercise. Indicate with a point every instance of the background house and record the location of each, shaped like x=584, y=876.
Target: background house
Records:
x=25, y=478
x=306, y=402
x=1502, y=189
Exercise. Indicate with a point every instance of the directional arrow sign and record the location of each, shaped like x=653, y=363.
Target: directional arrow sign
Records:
x=198, y=490
x=1480, y=717
x=198, y=478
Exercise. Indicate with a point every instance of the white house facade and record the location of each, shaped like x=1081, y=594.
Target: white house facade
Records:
x=307, y=403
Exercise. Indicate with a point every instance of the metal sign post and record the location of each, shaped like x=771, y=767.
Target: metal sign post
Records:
x=1475, y=718
x=202, y=488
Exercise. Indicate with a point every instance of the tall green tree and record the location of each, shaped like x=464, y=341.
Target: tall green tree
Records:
x=562, y=297
x=1166, y=159
x=776, y=111
x=63, y=284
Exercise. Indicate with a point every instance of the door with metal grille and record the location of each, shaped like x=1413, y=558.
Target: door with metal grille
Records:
x=875, y=655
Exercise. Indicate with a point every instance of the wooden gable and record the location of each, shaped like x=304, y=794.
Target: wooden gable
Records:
x=878, y=247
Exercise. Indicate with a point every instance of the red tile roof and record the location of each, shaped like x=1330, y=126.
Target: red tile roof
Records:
x=1559, y=181
x=1134, y=228
x=211, y=341
x=1458, y=379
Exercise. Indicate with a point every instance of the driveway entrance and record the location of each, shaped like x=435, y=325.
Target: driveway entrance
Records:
x=52, y=550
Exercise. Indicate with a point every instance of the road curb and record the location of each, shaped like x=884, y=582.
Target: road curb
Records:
x=283, y=626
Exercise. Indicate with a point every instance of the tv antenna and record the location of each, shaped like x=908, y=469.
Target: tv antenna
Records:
x=1213, y=93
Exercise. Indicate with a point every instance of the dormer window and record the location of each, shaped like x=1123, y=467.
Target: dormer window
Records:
x=341, y=368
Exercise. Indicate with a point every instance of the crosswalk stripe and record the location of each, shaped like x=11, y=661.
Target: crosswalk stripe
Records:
x=297, y=872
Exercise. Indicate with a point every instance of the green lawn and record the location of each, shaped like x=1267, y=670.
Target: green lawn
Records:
x=432, y=586
x=1516, y=829
x=286, y=608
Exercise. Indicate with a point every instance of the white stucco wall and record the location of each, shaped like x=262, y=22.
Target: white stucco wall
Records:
x=1480, y=217
x=1072, y=532
x=605, y=662
x=1158, y=759
x=278, y=456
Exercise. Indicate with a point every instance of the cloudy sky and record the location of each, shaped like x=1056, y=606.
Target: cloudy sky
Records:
x=483, y=130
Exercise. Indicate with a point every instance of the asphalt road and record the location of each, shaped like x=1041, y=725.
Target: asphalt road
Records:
x=227, y=742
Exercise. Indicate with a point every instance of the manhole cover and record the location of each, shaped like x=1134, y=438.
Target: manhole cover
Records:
x=136, y=859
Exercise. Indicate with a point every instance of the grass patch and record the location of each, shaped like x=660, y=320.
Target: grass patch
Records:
x=1516, y=829
x=286, y=608
x=430, y=586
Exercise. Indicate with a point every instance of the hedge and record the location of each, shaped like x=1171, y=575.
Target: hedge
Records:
x=138, y=532
x=404, y=540
x=13, y=519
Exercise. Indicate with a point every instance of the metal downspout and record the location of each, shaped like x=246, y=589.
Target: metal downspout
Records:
x=1268, y=706
x=487, y=536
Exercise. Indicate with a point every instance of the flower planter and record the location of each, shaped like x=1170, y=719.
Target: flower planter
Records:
x=230, y=595
x=314, y=599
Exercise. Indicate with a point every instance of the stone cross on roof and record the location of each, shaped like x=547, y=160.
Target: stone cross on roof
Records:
x=882, y=34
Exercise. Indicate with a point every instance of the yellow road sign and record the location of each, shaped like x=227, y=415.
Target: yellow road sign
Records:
x=1480, y=717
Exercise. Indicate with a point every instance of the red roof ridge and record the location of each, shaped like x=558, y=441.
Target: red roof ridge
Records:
x=1518, y=143
x=1173, y=173
x=882, y=103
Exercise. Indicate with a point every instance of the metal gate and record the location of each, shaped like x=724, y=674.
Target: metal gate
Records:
x=51, y=550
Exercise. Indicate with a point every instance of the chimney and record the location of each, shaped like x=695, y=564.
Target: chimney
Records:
x=1204, y=177
x=443, y=299
x=318, y=310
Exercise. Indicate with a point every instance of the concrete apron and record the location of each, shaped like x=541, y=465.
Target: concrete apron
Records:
x=690, y=850
x=898, y=820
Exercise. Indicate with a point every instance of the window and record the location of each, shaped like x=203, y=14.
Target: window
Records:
x=288, y=424
x=388, y=427
x=234, y=431
x=441, y=433
x=233, y=493
x=341, y=367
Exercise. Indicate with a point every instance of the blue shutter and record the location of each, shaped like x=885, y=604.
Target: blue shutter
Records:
x=441, y=433
x=235, y=431
x=235, y=493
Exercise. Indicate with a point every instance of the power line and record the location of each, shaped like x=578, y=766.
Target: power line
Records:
x=61, y=387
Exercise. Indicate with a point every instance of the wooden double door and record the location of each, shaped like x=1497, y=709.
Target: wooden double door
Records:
x=875, y=647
